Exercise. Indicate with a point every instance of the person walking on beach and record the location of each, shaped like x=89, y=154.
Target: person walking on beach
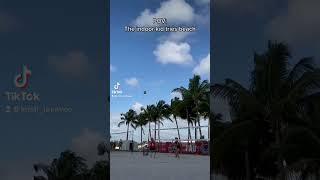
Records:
x=152, y=148
x=131, y=146
x=145, y=150
x=177, y=146
x=120, y=144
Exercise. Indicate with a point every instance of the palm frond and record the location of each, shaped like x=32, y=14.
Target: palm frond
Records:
x=307, y=83
x=121, y=123
x=304, y=65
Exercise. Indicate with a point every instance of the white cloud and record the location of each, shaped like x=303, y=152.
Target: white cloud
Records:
x=113, y=68
x=176, y=11
x=118, y=133
x=137, y=107
x=171, y=39
x=203, y=68
x=74, y=64
x=172, y=48
x=86, y=145
x=178, y=36
x=132, y=82
x=176, y=94
x=300, y=23
x=115, y=118
x=170, y=52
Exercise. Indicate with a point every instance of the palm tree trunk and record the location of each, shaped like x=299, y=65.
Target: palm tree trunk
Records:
x=159, y=131
x=189, y=131
x=127, y=132
x=155, y=130
x=141, y=135
x=159, y=136
x=149, y=131
x=198, y=120
x=209, y=128
x=199, y=128
x=195, y=130
x=175, y=119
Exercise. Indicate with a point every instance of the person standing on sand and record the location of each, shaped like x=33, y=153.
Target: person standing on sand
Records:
x=120, y=144
x=145, y=150
x=177, y=145
x=131, y=146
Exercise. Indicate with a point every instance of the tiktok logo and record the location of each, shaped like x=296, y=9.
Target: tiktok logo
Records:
x=22, y=80
x=117, y=86
x=116, y=90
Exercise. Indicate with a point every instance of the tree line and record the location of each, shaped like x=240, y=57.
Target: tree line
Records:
x=193, y=105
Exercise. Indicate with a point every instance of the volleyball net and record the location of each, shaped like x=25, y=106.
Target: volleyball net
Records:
x=192, y=142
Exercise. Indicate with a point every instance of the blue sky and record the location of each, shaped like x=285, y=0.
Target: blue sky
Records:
x=152, y=61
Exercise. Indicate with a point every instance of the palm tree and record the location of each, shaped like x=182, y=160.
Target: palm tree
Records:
x=217, y=126
x=204, y=111
x=200, y=90
x=197, y=92
x=100, y=171
x=67, y=166
x=175, y=111
x=268, y=116
x=104, y=148
x=150, y=117
x=154, y=119
x=129, y=119
x=141, y=122
x=187, y=107
x=162, y=112
x=186, y=111
x=70, y=166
